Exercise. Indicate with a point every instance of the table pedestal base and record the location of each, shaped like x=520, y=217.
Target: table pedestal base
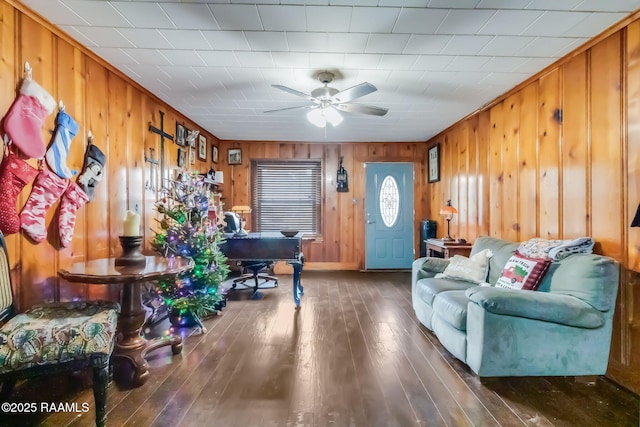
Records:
x=137, y=355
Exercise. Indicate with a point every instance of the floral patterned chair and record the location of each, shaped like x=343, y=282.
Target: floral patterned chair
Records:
x=49, y=338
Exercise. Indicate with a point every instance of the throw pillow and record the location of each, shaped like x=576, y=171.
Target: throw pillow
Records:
x=472, y=269
x=521, y=272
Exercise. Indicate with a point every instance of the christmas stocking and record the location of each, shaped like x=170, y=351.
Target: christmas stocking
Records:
x=92, y=172
x=15, y=173
x=23, y=121
x=46, y=190
x=59, y=151
x=72, y=199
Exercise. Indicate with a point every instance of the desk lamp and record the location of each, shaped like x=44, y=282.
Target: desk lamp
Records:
x=241, y=210
x=448, y=211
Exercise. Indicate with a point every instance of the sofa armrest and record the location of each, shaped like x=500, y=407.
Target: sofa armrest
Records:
x=427, y=267
x=548, y=307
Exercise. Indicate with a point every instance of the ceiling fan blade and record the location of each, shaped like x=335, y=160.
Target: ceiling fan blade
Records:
x=354, y=92
x=294, y=92
x=361, y=109
x=302, y=107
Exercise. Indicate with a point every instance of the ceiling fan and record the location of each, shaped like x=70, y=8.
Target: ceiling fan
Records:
x=328, y=101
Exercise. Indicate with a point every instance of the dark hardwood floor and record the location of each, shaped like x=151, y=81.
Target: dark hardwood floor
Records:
x=353, y=355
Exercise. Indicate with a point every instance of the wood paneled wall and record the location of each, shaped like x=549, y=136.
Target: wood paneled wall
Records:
x=118, y=112
x=341, y=246
x=560, y=158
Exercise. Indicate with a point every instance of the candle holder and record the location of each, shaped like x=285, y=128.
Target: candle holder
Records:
x=131, y=254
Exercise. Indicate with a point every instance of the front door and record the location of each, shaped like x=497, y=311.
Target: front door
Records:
x=389, y=216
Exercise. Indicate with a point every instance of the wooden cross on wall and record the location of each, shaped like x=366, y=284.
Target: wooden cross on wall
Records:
x=163, y=135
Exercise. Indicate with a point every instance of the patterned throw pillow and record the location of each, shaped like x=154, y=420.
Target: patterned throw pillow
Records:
x=472, y=269
x=521, y=272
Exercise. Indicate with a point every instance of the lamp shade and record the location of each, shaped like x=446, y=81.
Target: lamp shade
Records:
x=448, y=210
x=241, y=209
x=323, y=115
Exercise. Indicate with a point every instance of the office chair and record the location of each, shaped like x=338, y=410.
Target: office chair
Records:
x=49, y=338
x=255, y=267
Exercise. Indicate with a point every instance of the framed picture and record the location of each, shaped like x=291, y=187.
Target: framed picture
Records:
x=192, y=155
x=214, y=153
x=181, y=134
x=235, y=156
x=182, y=157
x=434, y=163
x=190, y=138
x=202, y=147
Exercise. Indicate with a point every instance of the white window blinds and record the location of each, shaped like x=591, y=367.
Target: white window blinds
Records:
x=287, y=195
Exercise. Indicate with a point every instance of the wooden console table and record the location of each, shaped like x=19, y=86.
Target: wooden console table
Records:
x=444, y=249
x=130, y=344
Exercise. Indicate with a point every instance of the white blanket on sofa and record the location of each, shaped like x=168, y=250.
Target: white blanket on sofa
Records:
x=555, y=249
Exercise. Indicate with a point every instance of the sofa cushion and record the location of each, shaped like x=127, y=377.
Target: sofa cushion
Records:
x=428, y=288
x=451, y=306
x=473, y=269
x=521, y=272
x=502, y=251
x=562, y=309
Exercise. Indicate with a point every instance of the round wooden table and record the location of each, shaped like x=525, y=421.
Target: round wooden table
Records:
x=130, y=344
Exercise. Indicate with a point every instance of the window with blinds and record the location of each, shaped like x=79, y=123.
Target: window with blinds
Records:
x=287, y=195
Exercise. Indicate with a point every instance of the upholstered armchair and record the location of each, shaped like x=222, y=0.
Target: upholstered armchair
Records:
x=49, y=338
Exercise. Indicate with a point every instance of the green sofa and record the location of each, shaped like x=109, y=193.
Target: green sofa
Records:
x=562, y=329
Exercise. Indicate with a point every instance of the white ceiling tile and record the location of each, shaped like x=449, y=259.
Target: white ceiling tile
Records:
x=386, y=43
x=502, y=4
x=564, y=50
x=291, y=59
x=466, y=45
x=98, y=13
x=354, y=2
x=346, y=42
x=594, y=24
x=555, y=23
x=57, y=12
x=532, y=65
x=373, y=19
x=227, y=40
x=79, y=36
x=403, y=3
x=325, y=18
x=267, y=40
x=283, y=18
x=143, y=15
x=145, y=37
x=609, y=5
x=505, y=45
x=326, y=60
x=553, y=4
x=546, y=46
x=113, y=55
x=503, y=63
x=426, y=44
x=464, y=21
x=186, y=39
x=237, y=16
x=306, y=2
x=216, y=58
x=104, y=36
x=188, y=16
x=367, y=60
x=182, y=57
x=433, y=62
x=464, y=63
x=462, y=4
x=397, y=62
x=419, y=21
x=179, y=72
x=307, y=42
x=510, y=22
x=255, y=59
x=147, y=56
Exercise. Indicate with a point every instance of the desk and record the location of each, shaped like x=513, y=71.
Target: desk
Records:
x=130, y=344
x=268, y=246
x=447, y=249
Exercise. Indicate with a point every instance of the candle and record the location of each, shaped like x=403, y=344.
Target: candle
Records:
x=131, y=225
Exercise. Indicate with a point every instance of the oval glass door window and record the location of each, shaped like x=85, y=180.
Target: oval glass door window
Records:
x=389, y=201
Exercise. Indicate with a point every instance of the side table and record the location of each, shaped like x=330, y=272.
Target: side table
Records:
x=130, y=344
x=445, y=249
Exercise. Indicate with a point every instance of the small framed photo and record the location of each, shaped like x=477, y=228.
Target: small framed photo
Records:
x=181, y=135
x=434, y=164
x=202, y=147
x=235, y=156
x=192, y=156
x=182, y=157
x=190, y=138
x=214, y=153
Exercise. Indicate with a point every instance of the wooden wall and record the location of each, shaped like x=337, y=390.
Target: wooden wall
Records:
x=560, y=158
x=341, y=246
x=118, y=113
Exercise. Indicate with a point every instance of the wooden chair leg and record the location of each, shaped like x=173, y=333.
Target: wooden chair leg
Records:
x=100, y=383
x=7, y=388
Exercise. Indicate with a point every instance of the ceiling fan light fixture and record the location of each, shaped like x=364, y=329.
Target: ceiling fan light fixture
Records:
x=332, y=116
x=316, y=118
x=321, y=116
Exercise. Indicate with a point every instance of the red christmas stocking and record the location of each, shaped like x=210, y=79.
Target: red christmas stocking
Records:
x=72, y=199
x=47, y=188
x=15, y=173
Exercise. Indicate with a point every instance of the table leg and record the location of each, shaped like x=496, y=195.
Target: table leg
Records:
x=130, y=344
x=298, y=290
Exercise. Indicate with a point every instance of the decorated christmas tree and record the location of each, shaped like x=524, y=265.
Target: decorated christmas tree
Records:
x=187, y=231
